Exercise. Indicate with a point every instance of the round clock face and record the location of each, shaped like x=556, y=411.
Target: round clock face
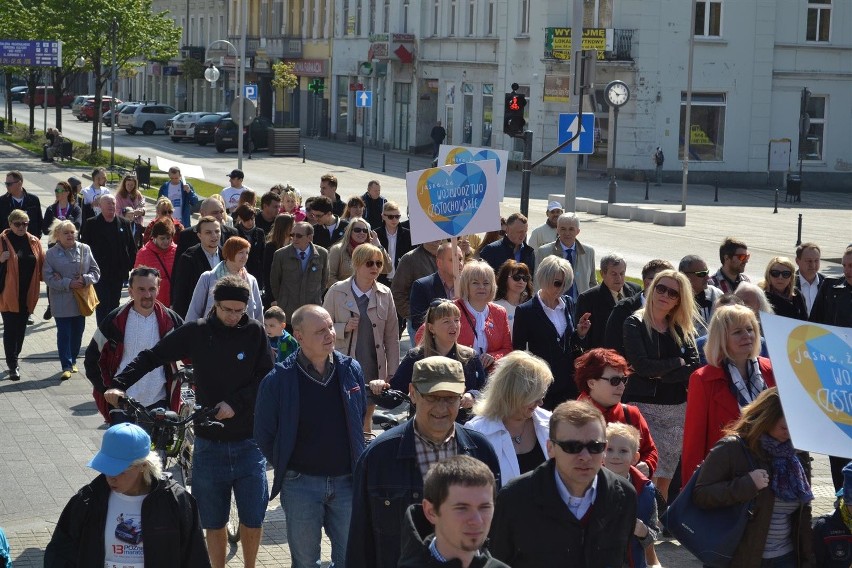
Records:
x=617, y=93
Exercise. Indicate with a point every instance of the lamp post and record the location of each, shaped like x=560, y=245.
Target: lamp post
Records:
x=688, y=113
x=211, y=74
x=112, y=116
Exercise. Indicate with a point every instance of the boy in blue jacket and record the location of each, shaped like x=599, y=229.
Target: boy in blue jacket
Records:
x=283, y=344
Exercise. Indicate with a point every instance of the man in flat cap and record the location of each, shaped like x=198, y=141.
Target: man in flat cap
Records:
x=389, y=475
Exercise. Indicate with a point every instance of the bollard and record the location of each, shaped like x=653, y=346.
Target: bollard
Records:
x=304, y=153
x=716, y=195
x=407, y=165
x=799, y=234
x=647, y=187
x=776, y=200
x=383, y=163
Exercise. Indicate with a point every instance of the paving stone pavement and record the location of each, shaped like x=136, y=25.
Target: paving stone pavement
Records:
x=50, y=429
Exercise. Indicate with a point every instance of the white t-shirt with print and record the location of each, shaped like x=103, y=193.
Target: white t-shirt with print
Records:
x=231, y=195
x=123, y=532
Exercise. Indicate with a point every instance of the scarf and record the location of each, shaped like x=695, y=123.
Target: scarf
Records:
x=845, y=515
x=221, y=270
x=746, y=390
x=480, y=340
x=788, y=480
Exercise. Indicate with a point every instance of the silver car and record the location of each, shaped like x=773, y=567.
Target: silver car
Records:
x=147, y=117
x=183, y=125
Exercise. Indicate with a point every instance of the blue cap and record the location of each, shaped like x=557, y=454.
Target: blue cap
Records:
x=122, y=445
x=846, y=490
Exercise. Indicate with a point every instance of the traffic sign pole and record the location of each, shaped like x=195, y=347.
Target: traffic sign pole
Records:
x=526, y=173
x=363, y=133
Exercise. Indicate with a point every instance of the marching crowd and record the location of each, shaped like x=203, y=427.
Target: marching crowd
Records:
x=554, y=415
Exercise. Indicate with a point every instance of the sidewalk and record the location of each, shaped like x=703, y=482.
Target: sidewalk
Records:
x=51, y=428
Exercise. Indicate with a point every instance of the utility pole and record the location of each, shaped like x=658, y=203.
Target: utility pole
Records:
x=574, y=106
x=688, y=114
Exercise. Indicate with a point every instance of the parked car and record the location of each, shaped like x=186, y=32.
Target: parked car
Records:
x=87, y=112
x=18, y=93
x=256, y=134
x=106, y=117
x=205, y=128
x=147, y=117
x=183, y=125
x=66, y=101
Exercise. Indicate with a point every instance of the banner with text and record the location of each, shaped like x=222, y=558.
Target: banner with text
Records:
x=813, y=369
x=449, y=155
x=557, y=42
x=451, y=201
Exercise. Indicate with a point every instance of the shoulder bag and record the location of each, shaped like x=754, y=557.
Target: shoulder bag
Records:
x=712, y=535
x=87, y=298
x=3, y=268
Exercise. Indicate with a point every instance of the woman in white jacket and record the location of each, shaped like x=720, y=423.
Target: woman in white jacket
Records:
x=509, y=414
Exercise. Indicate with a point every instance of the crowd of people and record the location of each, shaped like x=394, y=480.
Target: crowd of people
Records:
x=553, y=412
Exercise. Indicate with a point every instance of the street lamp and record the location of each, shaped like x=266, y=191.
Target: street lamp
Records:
x=212, y=75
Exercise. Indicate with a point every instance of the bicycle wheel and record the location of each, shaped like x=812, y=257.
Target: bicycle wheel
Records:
x=233, y=523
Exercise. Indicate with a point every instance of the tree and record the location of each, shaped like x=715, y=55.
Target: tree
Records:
x=283, y=76
x=192, y=69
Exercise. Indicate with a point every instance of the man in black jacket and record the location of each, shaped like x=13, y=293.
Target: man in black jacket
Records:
x=189, y=237
x=328, y=226
x=111, y=241
x=374, y=204
x=197, y=260
x=394, y=238
x=231, y=355
x=569, y=507
x=600, y=300
x=16, y=197
x=328, y=188
x=513, y=245
x=464, y=488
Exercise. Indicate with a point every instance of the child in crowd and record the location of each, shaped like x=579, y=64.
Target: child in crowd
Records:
x=283, y=344
x=833, y=532
x=621, y=457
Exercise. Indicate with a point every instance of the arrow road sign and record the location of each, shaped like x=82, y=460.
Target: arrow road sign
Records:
x=568, y=125
x=364, y=99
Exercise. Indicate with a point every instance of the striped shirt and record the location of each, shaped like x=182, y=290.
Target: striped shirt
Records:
x=779, y=540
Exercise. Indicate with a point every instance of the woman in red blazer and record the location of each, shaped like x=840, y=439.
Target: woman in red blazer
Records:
x=733, y=377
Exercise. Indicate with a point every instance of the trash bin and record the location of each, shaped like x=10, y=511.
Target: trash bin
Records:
x=794, y=187
x=143, y=175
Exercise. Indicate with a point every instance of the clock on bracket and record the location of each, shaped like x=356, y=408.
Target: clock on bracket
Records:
x=617, y=93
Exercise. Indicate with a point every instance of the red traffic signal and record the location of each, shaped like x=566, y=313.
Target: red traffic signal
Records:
x=513, y=114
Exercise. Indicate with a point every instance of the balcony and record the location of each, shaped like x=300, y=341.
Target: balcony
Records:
x=622, y=46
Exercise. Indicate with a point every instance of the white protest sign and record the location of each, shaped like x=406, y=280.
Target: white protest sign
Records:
x=186, y=170
x=812, y=364
x=449, y=155
x=453, y=200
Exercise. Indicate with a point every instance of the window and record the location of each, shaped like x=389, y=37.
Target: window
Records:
x=346, y=17
x=467, y=113
x=386, y=16
x=819, y=20
x=525, y=17
x=708, y=18
x=490, y=18
x=452, y=17
x=707, y=127
x=373, y=16
x=471, y=17
x=358, y=18
x=487, y=113
x=812, y=146
x=436, y=12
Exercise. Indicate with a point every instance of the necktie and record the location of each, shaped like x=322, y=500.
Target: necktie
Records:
x=620, y=296
x=569, y=256
x=301, y=255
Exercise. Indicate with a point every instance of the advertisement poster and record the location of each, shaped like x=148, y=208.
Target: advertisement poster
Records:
x=449, y=155
x=451, y=201
x=813, y=370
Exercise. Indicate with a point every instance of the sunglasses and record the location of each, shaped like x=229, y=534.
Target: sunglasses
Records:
x=20, y=224
x=360, y=230
x=741, y=257
x=372, y=263
x=391, y=217
x=524, y=277
x=614, y=381
x=557, y=283
x=296, y=235
x=701, y=273
x=781, y=273
x=60, y=190
x=575, y=447
x=664, y=290
x=10, y=183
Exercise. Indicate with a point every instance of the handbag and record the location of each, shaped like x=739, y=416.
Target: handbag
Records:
x=87, y=298
x=3, y=267
x=712, y=535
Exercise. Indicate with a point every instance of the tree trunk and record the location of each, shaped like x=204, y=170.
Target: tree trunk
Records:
x=59, y=89
x=99, y=87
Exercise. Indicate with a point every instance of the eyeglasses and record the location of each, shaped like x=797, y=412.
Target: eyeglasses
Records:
x=741, y=257
x=230, y=311
x=391, y=217
x=445, y=400
x=20, y=224
x=780, y=273
x=296, y=235
x=575, y=446
x=524, y=277
x=700, y=273
x=614, y=381
x=664, y=290
x=372, y=263
x=360, y=230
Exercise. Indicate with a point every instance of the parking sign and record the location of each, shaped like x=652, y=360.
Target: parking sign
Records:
x=250, y=91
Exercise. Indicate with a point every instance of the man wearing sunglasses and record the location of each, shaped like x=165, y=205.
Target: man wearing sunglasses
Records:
x=569, y=507
x=299, y=272
x=733, y=254
x=16, y=197
x=328, y=226
x=389, y=475
x=696, y=271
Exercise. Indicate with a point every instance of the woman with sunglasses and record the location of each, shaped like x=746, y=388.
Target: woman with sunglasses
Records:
x=509, y=413
x=63, y=208
x=779, y=286
x=734, y=376
x=163, y=210
x=544, y=325
x=659, y=344
x=357, y=232
x=364, y=316
x=128, y=195
x=440, y=335
x=514, y=287
x=22, y=261
x=235, y=254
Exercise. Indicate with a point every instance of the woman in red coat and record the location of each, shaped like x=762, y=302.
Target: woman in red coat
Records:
x=733, y=366
x=159, y=253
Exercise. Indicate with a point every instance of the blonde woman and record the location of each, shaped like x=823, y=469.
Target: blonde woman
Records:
x=357, y=232
x=779, y=286
x=509, y=413
x=291, y=202
x=659, y=344
x=163, y=210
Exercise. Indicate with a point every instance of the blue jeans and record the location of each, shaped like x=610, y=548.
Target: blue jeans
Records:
x=219, y=467
x=310, y=503
x=69, y=337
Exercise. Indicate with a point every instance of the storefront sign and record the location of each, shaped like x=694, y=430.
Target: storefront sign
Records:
x=557, y=42
x=556, y=88
x=309, y=67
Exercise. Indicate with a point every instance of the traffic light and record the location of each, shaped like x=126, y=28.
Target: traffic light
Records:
x=513, y=114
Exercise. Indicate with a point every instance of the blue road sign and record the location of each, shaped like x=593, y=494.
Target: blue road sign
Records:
x=568, y=124
x=250, y=91
x=38, y=53
x=364, y=99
